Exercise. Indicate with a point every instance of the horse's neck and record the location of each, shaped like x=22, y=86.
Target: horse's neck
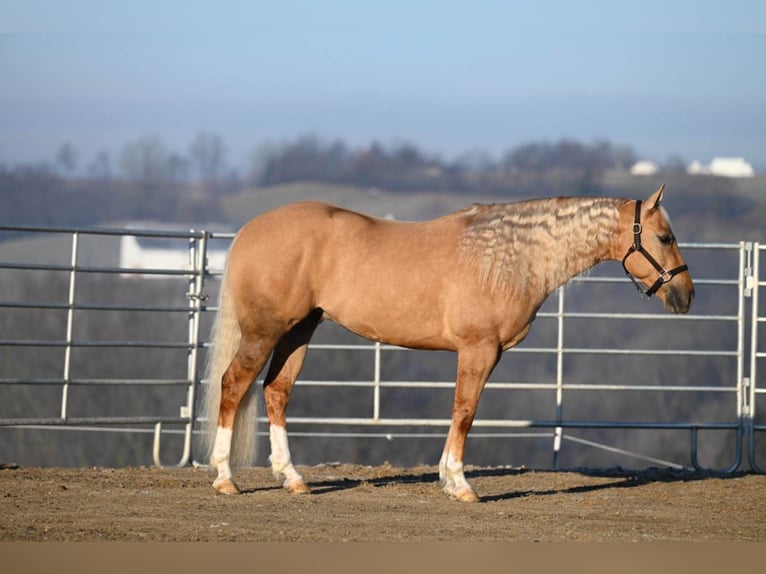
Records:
x=538, y=246
x=582, y=240
x=573, y=256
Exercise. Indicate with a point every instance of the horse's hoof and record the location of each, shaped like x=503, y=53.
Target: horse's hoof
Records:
x=225, y=486
x=298, y=487
x=465, y=495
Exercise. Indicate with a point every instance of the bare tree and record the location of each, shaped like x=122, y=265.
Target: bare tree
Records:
x=208, y=156
x=66, y=158
x=101, y=167
x=177, y=168
x=145, y=163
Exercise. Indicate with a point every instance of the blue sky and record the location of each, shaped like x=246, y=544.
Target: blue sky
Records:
x=667, y=78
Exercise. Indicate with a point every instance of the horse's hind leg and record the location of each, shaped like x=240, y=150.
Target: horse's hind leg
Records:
x=285, y=367
x=475, y=364
x=247, y=363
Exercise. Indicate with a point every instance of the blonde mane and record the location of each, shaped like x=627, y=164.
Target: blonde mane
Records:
x=538, y=243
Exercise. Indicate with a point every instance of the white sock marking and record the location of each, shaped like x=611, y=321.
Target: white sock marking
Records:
x=281, y=464
x=451, y=473
x=221, y=451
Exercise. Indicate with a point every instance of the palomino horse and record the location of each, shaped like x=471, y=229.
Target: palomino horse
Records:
x=471, y=282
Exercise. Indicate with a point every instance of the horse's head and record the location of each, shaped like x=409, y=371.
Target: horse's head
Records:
x=652, y=258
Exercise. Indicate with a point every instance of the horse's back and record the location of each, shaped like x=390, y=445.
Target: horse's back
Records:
x=300, y=229
x=311, y=226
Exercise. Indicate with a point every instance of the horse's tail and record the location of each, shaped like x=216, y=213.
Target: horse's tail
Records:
x=225, y=339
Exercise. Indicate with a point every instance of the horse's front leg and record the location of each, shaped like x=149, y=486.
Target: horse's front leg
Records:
x=475, y=364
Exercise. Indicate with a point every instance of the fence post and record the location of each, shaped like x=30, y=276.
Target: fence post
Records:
x=69, y=327
x=742, y=382
x=196, y=297
x=376, y=391
x=754, y=283
x=558, y=432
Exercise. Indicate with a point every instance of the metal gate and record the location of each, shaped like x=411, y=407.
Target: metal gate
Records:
x=742, y=283
x=751, y=392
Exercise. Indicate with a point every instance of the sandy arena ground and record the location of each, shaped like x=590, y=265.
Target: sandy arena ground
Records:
x=384, y=503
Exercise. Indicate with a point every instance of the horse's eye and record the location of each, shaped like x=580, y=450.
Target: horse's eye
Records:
x=665, y=239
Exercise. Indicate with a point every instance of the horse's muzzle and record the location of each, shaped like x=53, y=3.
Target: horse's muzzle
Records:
x=678, y=299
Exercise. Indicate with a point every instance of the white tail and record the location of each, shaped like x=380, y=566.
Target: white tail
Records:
x=225, y=342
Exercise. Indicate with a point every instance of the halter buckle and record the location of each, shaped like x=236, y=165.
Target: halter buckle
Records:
x=637, y=228
x=666, y=276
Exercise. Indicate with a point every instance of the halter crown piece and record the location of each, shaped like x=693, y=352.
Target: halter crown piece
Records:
x=664, y=276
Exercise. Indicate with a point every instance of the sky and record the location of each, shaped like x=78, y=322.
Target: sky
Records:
x=668, y=78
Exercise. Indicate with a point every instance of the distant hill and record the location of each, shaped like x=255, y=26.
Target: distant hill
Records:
x=381, y=203
x=703, y=208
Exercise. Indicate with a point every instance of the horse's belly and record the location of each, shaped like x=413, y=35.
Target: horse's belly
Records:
x=391, y=320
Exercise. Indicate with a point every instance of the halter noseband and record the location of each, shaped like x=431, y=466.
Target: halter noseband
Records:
x=664, y=276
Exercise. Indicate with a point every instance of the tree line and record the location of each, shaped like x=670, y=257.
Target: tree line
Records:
x=148, y=163
x=566, y=166
x=149, y=180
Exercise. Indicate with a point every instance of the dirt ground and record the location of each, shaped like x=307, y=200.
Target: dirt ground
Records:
x=384, y=503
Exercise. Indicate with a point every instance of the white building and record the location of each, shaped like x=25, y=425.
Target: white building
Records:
x=644, y=167
x=731, y=167
x=172, y=255
x=723, y=167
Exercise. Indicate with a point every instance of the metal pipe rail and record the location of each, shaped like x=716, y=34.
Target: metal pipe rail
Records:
x=744, y=391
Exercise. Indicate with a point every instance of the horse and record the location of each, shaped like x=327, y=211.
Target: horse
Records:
x=470, y=282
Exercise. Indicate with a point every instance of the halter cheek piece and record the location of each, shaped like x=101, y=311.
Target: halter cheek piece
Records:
x=664, y=276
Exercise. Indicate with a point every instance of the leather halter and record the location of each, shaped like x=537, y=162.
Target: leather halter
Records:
x=664, y=276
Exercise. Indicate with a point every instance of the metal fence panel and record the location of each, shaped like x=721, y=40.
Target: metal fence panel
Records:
x=565, y=313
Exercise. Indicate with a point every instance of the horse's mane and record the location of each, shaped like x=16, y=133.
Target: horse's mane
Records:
x=538, y=243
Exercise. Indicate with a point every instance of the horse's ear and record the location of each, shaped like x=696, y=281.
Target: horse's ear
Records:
x=656, y=198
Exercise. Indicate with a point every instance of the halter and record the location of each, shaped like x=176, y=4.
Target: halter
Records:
x=664, y=276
